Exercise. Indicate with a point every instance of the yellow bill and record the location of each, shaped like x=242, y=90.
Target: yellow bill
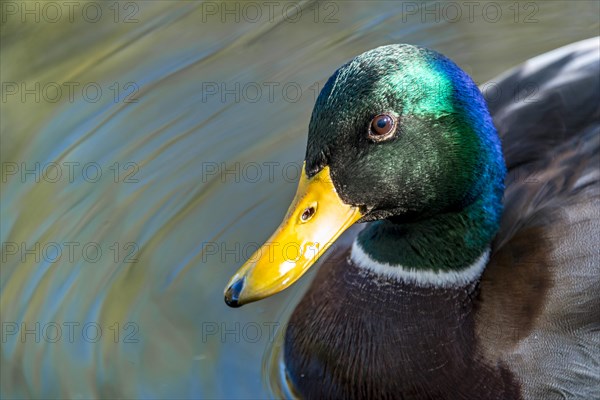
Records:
x=316, y=218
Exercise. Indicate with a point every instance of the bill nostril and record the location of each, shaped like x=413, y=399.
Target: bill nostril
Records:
x=307, y=214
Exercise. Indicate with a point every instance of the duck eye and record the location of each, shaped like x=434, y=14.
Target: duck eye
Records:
x=382, y=127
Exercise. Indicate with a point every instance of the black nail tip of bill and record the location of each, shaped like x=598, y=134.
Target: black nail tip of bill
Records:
x=232, y=294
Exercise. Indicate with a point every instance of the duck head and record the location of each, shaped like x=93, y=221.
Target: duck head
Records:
x=402, y=135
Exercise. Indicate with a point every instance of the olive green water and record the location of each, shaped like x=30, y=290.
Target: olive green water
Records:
x=148, y=147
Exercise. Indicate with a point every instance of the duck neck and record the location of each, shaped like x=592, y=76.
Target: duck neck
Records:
x=450, y=246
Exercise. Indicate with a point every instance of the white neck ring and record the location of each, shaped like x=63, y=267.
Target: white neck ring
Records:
x=420, y=277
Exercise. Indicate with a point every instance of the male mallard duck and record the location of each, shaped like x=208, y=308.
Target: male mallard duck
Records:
x=445, y=295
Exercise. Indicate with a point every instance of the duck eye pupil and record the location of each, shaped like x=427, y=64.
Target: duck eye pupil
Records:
x=382, y=122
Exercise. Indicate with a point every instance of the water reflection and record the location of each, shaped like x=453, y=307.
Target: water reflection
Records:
x=148, y=150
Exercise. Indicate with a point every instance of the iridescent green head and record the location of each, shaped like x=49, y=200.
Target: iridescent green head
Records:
x=408, y=138
x=441, y=151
